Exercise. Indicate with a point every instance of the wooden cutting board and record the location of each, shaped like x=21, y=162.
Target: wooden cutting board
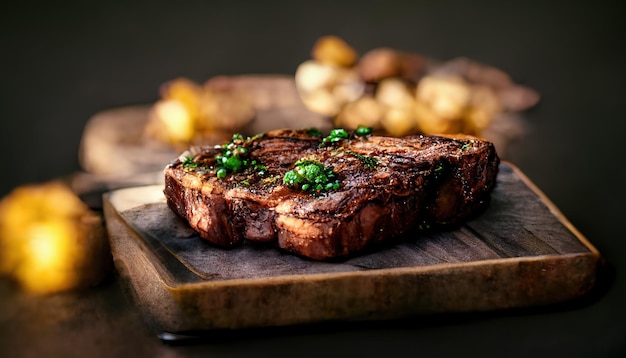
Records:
x=520, y=252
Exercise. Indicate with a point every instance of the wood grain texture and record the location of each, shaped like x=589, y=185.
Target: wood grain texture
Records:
x=520, y=252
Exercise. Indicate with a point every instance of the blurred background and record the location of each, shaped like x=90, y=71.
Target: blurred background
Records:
x=63, y=62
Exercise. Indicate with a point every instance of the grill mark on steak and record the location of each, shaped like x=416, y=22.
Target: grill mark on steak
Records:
x=419, y=179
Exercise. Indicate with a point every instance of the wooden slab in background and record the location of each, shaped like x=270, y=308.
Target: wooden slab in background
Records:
x=114, y=142
x=521, y=252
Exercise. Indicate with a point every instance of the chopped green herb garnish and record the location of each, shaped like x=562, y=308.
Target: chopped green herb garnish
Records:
x=189, y=163
x=369, y=162
x=362, y=131
x=255, y=137
x=260, y=169
x=235, y=157
x=221, y=173
x=311, y=176
x=336, y=135
x=339, y=134
x=314, y=132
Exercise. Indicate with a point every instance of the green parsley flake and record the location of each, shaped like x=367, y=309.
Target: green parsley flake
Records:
x=369, y=162
x=314, y=132
x=235, y=157
x=362, y=131
x=189, y=163
x=336, y=135
x=311, y=176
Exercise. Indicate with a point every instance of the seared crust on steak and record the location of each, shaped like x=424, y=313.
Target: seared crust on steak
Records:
x=416, y=180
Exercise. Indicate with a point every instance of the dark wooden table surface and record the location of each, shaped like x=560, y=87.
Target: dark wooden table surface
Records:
x=62, y=63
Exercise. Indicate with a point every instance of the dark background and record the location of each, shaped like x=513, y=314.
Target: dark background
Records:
x=62, y=62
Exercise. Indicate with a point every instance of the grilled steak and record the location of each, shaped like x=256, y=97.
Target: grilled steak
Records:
x=329, y=197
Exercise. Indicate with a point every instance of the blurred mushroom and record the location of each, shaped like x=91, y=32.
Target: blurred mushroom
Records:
x=381, y=63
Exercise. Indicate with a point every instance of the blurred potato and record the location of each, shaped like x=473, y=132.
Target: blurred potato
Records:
x=399, y=121
x=325, y=89
x=334, y=51
x=446, y=96
x=483, y=107
x=395, y=93
x=429, y=122
x=405, y=93
x=365, y=111
x=312, y=75
x=321, y=101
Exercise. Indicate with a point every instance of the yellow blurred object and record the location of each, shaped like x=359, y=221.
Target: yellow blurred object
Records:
x=447, y=96
x=449, y=104
x=365, y=111
x=398, y=99
x=185, y=92
x=325, y=88
x=175, y=119
x=398, y=121
x=189, y=113
x=396, y=93
x=483, y=107
x=322, y=101
x=332, y=50
x=428, y=122
x=50, y=241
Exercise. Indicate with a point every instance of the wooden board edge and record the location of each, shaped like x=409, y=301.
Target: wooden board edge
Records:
x=143, y=278
x=368, y=295
x=388, y=294
x=554, y=209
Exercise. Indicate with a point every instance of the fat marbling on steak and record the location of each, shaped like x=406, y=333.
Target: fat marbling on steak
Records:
x=379, y=188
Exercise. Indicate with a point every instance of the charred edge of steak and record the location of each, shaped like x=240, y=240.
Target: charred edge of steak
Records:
x=389, y=187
